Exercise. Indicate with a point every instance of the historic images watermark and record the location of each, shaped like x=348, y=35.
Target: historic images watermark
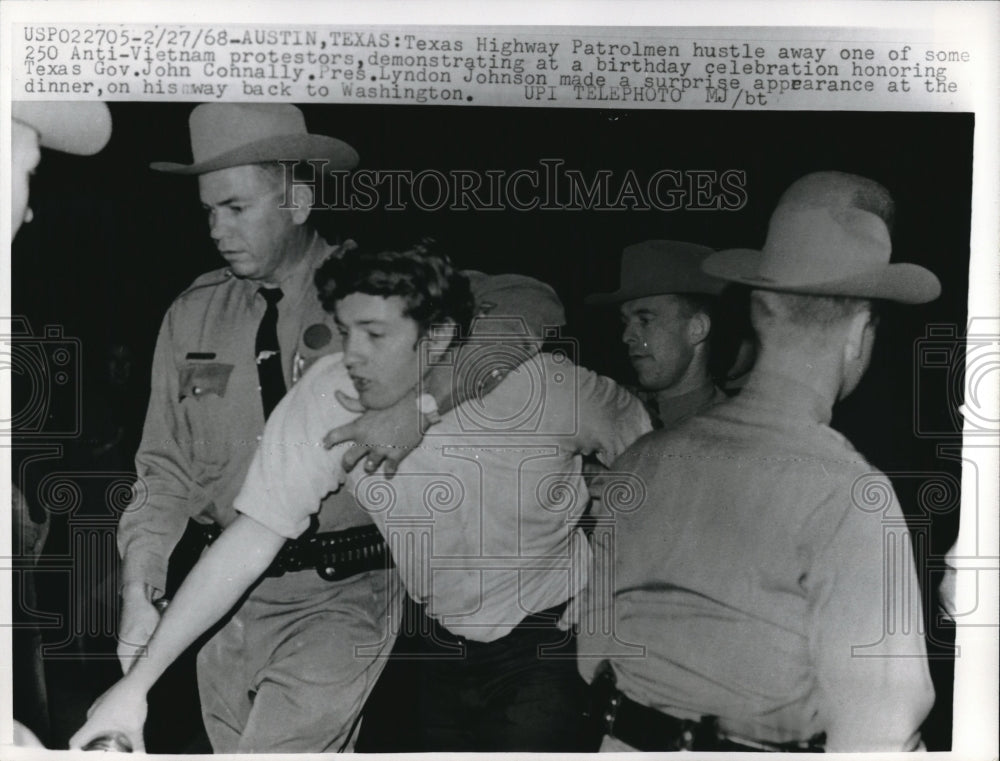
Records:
x=549, y=186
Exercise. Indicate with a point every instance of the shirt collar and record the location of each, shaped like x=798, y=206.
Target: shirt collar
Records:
x=674, y=409
x=300, y=279
x=786, y=396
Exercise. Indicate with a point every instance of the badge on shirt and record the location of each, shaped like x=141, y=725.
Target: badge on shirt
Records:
x=317, y=340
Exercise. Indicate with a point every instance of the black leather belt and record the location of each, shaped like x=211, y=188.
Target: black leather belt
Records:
x=420, y=623
x=649, y=730
x=334, y=555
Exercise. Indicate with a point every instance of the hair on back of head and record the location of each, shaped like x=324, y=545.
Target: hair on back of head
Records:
x=774, y=312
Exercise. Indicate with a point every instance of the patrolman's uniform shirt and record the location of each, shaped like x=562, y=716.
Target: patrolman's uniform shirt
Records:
x=751, y=550
x=482, y=518
x=676, y=409
x=205, y=413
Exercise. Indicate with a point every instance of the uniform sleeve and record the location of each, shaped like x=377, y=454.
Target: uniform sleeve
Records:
x=291, y=471
x=609, y=418
x=865, y=629
x=154, y=521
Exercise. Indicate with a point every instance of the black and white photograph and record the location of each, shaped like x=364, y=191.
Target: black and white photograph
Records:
x=447, y=426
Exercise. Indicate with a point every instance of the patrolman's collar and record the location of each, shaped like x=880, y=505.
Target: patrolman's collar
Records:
x=300, y=278
x=673, y=409
x=787, y=396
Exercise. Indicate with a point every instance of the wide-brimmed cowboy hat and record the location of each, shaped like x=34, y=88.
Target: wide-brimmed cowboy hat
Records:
x=818, y=243
x=658, y=267
x=80, y=127
x=225, y=135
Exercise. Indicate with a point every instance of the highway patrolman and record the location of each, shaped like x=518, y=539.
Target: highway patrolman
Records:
x=666, y=304
x=739, y=599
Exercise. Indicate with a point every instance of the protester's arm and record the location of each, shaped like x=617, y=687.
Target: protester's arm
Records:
x=871, y=667
x=216, y=583
x=288, y=478
x=609, y=419
x=292, y=471
x=514, y=314
x=156, y=518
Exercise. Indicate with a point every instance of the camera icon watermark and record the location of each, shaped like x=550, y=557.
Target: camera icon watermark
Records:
x=44, y=374
x=968, y=368
x=497, y=348
x=909, y=567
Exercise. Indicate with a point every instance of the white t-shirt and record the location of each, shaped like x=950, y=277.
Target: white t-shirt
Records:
x=482, y=517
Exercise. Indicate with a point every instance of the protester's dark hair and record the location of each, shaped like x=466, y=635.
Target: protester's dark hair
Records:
x=434, y=292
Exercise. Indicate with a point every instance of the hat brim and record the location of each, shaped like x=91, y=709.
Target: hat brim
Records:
x=79, y=127
x=336, y=153
x=904, y=283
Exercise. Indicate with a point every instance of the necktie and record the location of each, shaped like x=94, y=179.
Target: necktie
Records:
x=272, y=380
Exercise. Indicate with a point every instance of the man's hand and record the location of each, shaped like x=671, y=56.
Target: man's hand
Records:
x=139, y=619
x=122, y=709
x=384, y=437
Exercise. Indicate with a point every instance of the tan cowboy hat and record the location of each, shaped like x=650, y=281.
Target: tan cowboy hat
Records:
x=225, y=135
x=80, y=127
x=819, y=244
x=657, y=267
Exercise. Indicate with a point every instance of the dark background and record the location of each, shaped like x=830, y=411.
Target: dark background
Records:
x=112, y=244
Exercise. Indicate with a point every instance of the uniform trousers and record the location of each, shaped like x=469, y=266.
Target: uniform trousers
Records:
x=292, y=667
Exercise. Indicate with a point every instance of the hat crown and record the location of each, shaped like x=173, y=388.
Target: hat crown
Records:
x=817, y=244
x=220, y=127
x=666, y=266
x=822, y=240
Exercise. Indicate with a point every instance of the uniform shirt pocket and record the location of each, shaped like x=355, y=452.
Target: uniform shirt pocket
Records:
x=197, y=379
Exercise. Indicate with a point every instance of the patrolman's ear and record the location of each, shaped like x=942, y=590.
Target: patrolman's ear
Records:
x=699, y=326
x=302, y=201
x=860, y=330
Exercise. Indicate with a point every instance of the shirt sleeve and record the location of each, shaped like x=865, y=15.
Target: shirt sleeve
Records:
x=291, y=471
x=155, y=519
x=609, y=418
x=866, y=629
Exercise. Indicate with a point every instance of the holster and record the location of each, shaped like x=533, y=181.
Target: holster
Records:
x=649, y=730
